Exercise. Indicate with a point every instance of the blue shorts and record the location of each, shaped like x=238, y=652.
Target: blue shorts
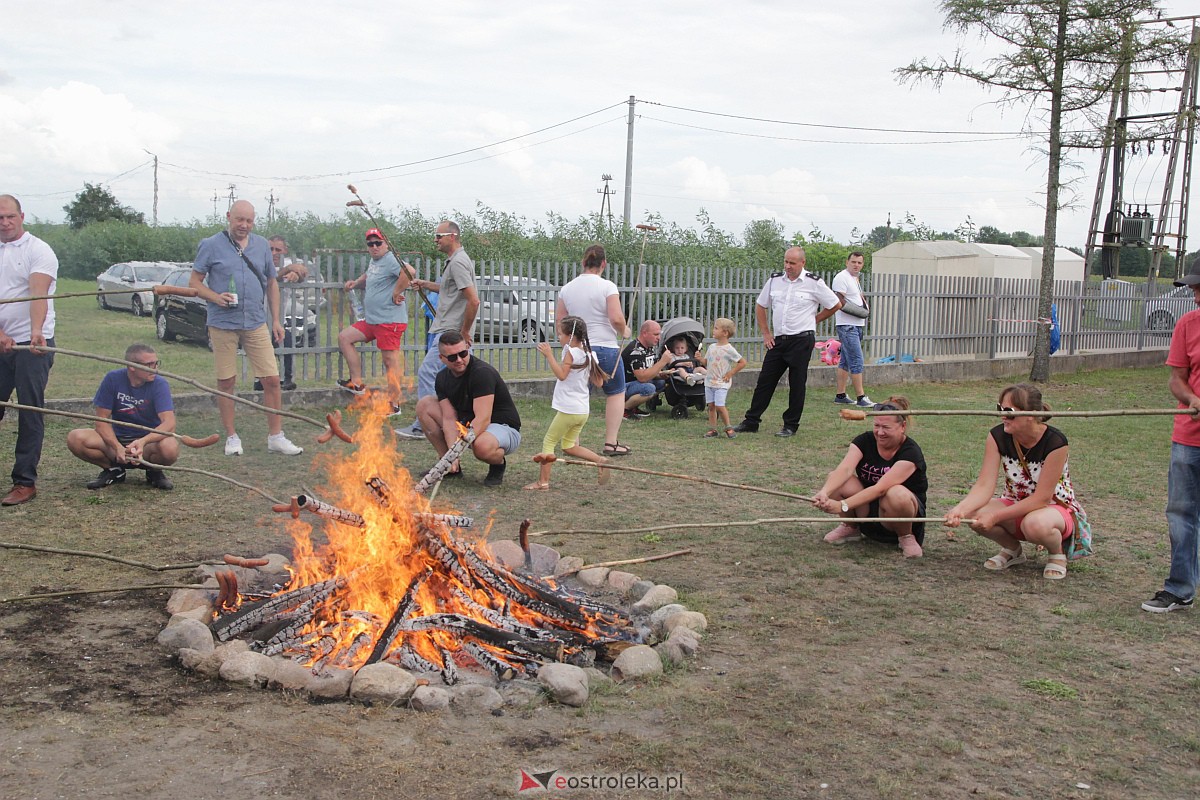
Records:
x=508, y=438
x=642, y=388
x=714, y=396
x=852, y=355
x=610, y=362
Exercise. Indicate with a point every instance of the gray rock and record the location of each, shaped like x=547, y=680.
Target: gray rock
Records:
x=598, y=679
x=211, y=665
x=655, y=599
x=506, y=552
x=660, y=615
x=521, y=693
x=637, y=663
x=639, y=589
x=567, y=563
x=671, y=652
x=186, y=599
x=592, y=578
x=183, y=632
x=382, y=683
x=622, y=581
x=565, y=683
x=190, y=659
x=685, y=638
x=476, y=697
x=202, y=614
x=248, y=669
x=430, y=698
x=277, y=563
x=289, y=675
x=331, y=684
x=693, y=620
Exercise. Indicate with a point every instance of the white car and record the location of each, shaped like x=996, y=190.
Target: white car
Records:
x=139, y=277
x=516, y=309
x=1164, y=311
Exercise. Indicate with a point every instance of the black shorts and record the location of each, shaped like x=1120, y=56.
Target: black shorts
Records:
x=877, y=533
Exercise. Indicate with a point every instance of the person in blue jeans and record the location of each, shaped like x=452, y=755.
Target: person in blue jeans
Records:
x=850, y=329
x=1183, y=476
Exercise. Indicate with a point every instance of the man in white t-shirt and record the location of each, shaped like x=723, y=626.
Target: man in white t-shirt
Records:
x=850, y=330
x=28, y=268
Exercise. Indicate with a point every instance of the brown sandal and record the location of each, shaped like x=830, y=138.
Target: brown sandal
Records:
x=617, y=449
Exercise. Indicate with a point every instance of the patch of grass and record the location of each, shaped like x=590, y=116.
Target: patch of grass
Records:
x=1048, y=687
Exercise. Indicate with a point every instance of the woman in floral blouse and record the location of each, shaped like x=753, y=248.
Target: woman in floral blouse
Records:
x=1038, y=504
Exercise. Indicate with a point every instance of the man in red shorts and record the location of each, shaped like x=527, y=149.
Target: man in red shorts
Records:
x=386, y=318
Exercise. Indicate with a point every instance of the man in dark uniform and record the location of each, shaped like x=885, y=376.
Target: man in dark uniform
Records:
x=797, y=300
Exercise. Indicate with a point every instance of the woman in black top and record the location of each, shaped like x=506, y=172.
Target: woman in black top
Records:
x=882, y=475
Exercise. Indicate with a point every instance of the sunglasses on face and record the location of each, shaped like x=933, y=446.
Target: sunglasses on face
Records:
x=440, y=236
x=373, y=243
x=149, y=364
x=452, y=357
x=1006, y=409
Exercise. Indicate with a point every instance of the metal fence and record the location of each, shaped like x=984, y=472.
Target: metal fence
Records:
x=912, y=316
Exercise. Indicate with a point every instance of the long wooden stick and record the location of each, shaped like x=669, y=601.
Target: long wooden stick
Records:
x=859, y=414
x=57, y=295
x=626, y=561
x=143, y=462
x=115, y=589
x=103, y=556
x=740, y=524
x=358, y=202
x=176, y=377
x=680, y=476
x=190, y=441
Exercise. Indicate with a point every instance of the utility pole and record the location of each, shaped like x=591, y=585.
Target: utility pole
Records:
x=155, y=215
x=271, y=207
x=215, y=198
x=629, y=164
x=605, y=201
x=232, y=195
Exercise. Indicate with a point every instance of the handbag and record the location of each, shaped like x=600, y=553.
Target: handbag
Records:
x=855, y=310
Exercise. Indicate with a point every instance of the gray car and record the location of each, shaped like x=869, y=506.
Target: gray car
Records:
x=515, y=309
x=138, y=276
x=1163, y=311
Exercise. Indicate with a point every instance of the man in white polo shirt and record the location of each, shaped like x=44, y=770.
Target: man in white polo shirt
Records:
x=28, y=268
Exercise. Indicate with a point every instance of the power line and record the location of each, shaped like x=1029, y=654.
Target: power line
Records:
x=395, y=166
x=832, y=127
x=116, y=177
x=826, y=141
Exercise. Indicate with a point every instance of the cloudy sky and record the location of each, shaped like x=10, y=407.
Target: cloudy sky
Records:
x=293, y=100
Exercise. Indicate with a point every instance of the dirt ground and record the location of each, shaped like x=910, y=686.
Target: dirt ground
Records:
x=827, y=672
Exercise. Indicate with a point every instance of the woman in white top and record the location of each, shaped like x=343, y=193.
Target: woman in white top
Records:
x=577, y=368
x=596, y=301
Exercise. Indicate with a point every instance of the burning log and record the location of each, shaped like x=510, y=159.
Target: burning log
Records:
x=444, y=464
x=252, y=615
x=493, y=663
x=511, y=642
x=449, y=668
x=412, y=660
x=322, y=509
x=405, y=607
x=449, y=520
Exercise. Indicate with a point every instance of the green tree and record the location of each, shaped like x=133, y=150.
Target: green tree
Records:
x=97, y=204
x=1061, y=59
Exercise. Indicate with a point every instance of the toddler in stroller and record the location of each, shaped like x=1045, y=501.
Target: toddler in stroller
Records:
x=684, y=387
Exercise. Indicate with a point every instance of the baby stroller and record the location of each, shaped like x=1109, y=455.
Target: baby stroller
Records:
x=678, y=392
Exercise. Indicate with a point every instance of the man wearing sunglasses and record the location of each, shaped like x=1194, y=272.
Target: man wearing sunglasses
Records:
x=458, y=304
x=470, y=392
x=135, y=395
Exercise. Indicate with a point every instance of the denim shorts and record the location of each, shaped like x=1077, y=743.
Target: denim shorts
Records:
x=715, y=396
x=430, y=367
x=640, y=388
x=610, y=362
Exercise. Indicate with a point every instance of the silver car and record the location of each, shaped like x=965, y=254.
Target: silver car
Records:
x=1164, y=311
x=515, y=309
x=136, y=277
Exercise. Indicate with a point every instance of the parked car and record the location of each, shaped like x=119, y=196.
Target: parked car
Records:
x=516, y=309
x=176, y=316
x=1163, y=311
x=137, y=275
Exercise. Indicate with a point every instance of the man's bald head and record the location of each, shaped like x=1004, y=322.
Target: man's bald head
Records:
x=241, y=220
x=649, y=333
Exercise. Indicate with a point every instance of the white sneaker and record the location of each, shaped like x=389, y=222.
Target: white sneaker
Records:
x=233, y=446
x=396, y=412
x=280, y=444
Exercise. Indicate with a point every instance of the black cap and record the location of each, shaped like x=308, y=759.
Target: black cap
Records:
x=1193, y=277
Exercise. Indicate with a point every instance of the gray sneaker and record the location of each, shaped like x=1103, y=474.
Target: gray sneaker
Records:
x=411, y=432
x=1165, y=601
x=865, y=402
x=843, y=399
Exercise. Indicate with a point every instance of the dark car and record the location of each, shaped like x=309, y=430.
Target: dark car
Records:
x=176, y=316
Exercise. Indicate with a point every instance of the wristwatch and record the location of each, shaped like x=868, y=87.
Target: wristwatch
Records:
x=845, y=507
